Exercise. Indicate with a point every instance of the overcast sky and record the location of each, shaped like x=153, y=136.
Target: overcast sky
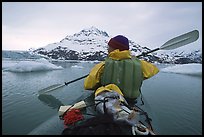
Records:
x=35, y=24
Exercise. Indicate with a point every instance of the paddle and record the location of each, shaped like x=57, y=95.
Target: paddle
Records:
x=177, y=42
x=50, y=100
x=171, y=44
x=56, y=86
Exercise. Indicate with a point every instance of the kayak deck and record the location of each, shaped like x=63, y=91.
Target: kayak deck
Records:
x=55, y=125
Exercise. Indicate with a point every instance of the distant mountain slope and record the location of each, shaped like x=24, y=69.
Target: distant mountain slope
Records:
x=88, y=44
x=91, y=44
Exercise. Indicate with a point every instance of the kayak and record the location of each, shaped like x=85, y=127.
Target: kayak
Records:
x=82, y=118
x=46, y=128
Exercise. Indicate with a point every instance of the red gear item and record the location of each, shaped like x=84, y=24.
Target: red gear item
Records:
x=72, y=116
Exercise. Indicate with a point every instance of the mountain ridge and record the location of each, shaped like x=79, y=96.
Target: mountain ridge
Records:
x=90, y=44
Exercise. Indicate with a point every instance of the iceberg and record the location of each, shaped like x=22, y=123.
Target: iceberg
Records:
x=30, y=66
x=189, y=69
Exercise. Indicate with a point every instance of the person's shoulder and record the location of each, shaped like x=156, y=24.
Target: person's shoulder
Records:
x=100, y=64
x=145, y=63
x=135, y=58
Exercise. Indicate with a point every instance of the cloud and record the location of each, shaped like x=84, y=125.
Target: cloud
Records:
x=149, y=24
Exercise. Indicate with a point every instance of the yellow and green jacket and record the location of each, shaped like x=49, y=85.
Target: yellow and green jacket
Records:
x=120, y=72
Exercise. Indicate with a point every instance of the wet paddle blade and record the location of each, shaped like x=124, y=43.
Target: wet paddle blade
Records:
x=181, y=40
x=50, y=100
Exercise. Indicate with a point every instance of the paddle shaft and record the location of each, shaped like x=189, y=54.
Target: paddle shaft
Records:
x=59, y=86
x=66, y=83
x=145, y=53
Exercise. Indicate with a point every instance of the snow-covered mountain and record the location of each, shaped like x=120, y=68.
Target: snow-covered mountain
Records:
x=181, y=57
x=91, y=44
x=88, y=44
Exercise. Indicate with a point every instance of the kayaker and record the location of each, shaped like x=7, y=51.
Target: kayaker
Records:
x=116, y=81
x=120, y=68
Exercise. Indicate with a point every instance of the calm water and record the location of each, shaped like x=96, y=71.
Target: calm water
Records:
x=174, y=100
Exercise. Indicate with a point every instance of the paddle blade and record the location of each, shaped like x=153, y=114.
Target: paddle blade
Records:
x=50, y=101
x=181, y=40
x=50, y=88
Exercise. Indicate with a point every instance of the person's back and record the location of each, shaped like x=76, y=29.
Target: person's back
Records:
x=120, y=68
x=125, y=73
